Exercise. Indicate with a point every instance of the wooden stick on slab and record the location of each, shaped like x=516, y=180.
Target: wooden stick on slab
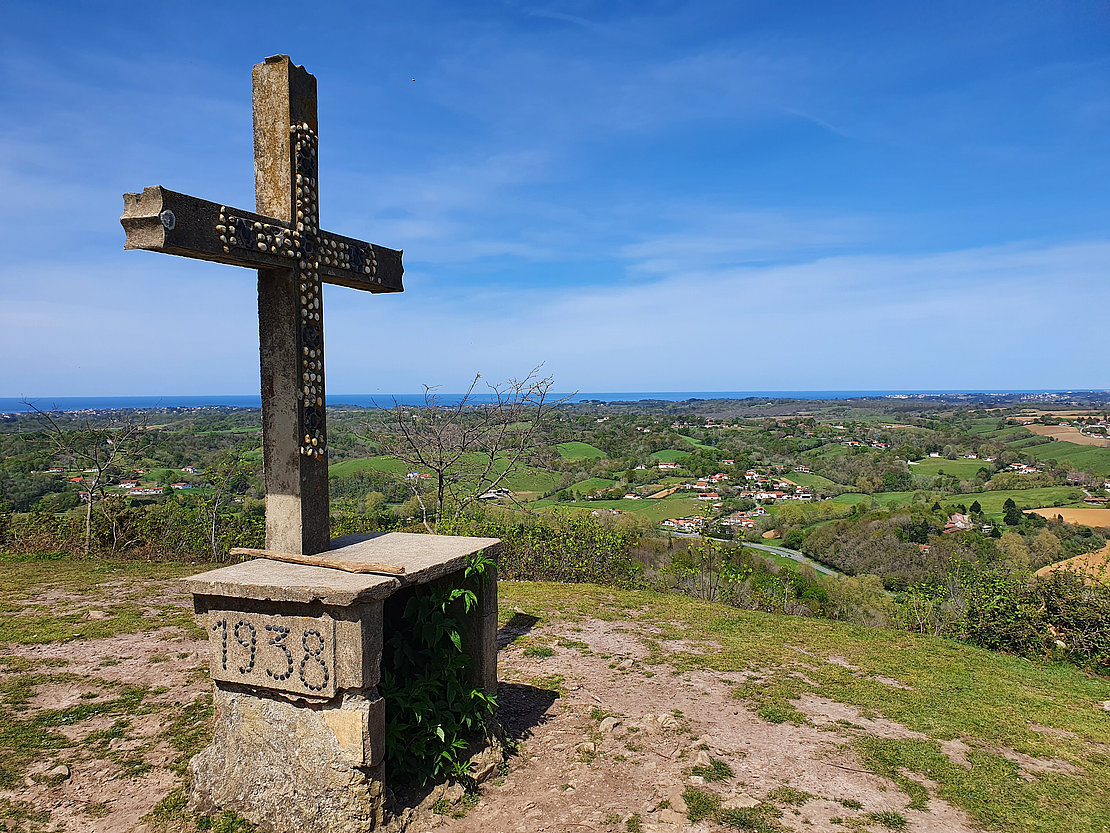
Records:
x=322, y=560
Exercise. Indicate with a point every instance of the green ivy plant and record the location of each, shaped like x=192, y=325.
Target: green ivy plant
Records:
x=432, y=709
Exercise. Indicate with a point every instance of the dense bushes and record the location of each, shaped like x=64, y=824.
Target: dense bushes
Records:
x=1060, y=615
x=908, y=546
x=565, y=546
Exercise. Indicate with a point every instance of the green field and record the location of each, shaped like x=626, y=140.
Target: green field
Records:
x=990, y=501
x=670, y=455
x=579, y=451
x=855, y=498
x=1010, y=433
x=525, y=479
x=535, y=481
x=696, y=444
x=1090, y=458
x=963, y=469
x=389, y=465
x=591, y=484
x=982, y=426
x=829, y=450
x=814, y=481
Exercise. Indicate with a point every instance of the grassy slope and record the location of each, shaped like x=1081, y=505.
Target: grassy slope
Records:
x=390, y=465
x=696, y=444
x=990, y=701
x=814, y=481
x=932, y=466
x=579, y=451
x=592, y=484
x=1083, y=457
x=670, y=455
x=525, y=479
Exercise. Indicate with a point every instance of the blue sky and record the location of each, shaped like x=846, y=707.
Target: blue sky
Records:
x=642, y=196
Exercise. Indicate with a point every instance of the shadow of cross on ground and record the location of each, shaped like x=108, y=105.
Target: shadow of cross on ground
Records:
x=519, y=625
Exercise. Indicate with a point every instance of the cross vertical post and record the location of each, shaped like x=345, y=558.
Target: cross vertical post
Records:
x=290, y=313
x=283, y=241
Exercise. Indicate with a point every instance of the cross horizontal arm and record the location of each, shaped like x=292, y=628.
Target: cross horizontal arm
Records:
x=160, y=220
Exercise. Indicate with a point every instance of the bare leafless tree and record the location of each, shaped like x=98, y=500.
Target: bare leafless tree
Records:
x=226, y=477
x=468, y=448
x=96, y=450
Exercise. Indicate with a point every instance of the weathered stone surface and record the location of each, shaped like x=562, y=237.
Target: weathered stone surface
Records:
x=290, y=769
x=481, y=634
x=424, y=557
x=295, y=654
x=740, y=801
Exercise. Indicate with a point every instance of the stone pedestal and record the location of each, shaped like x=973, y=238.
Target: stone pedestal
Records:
x=295, y=655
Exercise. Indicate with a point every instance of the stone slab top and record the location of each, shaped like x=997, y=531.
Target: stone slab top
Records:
x=424, y=557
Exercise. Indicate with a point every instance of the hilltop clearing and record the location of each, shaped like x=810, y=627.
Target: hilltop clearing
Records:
x=632, y=710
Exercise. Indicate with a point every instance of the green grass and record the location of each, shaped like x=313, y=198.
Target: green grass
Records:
x=990, y=701
x=524, y=479
x=389, y=465
x=828, y=451
x=579, y=451
x=592, y=484
x=670, y=455
x=527, y=479
x=963, y=469
x=1090, y=458
x=814, y=481
x=696, y=444
x=852, y=499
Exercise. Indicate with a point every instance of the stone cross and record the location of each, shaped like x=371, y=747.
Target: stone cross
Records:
x=294, y=257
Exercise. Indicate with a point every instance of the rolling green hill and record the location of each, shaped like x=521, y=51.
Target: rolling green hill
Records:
x=1090, y=458
x=670, y=455
x=591, y=484
x=390, y=465
x=963, y=469
x=579, y=451
x=814, y=481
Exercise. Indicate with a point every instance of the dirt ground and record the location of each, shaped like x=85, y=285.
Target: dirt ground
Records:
x=1094, y=563
x=1088, y=516
x=624, y=739
x=604, y=742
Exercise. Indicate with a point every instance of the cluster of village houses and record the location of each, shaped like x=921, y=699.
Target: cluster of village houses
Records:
x=759, y=487
x=132, y=486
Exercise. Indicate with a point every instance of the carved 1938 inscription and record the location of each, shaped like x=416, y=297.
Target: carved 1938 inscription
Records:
x=288, y=653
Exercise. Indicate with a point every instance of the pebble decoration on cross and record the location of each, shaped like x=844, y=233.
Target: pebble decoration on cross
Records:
x=294, y=258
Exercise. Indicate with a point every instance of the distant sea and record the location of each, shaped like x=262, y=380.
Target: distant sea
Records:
x=10, y=405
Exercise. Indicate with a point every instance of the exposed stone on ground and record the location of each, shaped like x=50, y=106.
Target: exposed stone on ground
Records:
x=610, y=724
x=740, y=801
